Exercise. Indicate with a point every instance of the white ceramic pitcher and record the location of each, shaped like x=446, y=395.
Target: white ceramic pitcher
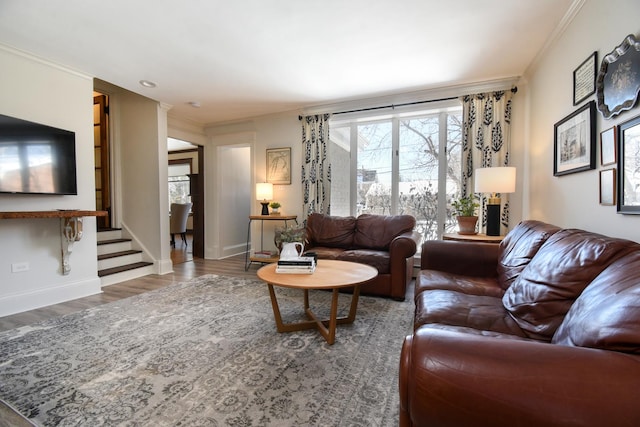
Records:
x=290, y=251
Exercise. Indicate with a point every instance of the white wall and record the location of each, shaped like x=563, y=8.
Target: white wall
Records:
x=573, y=200
x=234, y=184
x=34, y=90
x=144, y=175
x=273, y=131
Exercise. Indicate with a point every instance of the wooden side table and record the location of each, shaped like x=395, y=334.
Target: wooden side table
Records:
x=262, y=218
x=482, y=238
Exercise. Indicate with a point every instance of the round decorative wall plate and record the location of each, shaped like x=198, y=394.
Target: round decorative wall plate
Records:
x=618, y=82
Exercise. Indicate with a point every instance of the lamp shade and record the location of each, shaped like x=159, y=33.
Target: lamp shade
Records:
x=264, y=191
x=495, y=180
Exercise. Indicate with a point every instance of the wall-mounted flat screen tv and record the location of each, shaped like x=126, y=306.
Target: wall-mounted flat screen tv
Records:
x=36, y=159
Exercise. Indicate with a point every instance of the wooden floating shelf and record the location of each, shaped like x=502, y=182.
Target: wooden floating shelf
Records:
x=51, y=214
x=70, y=227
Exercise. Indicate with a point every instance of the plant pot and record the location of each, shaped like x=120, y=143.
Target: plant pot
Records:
x=467, y=224
x=275, y=211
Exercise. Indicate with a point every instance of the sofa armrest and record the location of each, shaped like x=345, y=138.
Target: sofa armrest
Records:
x=405, y=245
x=453, y=378
x=467, y=258
x=401, y=251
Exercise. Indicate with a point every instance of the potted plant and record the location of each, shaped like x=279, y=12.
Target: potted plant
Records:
x=289, y=234
x=274, y=208
x=465, y=211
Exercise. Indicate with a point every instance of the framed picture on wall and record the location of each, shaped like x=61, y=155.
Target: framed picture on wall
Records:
x=608, y=187
x=608, y=149
x=628, y=167
x=584, y=79
x=279, y=165
x=574, y=141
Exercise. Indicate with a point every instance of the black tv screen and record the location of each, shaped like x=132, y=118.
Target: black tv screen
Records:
x=36, y=159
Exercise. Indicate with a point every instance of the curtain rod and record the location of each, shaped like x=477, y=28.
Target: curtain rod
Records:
x=392, y=106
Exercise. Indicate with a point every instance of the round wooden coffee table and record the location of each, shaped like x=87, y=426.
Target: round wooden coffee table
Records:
x=329, y=274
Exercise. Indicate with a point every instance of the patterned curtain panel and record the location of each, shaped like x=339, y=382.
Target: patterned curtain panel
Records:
x=316, y=169
x=486, y=143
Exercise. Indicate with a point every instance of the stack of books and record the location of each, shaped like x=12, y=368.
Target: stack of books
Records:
x=264, y=254
x=300, y=265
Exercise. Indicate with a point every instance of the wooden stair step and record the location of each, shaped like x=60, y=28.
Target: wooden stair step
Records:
x=111, y=241
x=120, y=269
x=117, y=254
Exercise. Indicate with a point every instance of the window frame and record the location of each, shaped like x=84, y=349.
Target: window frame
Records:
x=441, y=109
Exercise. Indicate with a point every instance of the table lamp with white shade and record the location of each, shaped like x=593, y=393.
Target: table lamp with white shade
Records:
x=495, y=180
x=264, y=193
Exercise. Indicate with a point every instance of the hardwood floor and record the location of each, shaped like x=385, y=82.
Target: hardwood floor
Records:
x=183, y=269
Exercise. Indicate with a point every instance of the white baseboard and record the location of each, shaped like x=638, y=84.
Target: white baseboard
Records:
x=17, y=303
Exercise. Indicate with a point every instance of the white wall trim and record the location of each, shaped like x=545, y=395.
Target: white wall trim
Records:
x=573, y=10
x=17, y=303
x=48, y=63
x=161, y=266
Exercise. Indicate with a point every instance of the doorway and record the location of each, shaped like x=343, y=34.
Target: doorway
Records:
x=186, y=184
x=102, y=159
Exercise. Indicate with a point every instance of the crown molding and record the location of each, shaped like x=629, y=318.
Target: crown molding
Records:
x=35, y=58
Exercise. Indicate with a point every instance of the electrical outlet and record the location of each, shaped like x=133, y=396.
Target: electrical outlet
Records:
x=18, y=267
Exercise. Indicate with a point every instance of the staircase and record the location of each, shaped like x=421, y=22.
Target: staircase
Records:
x=117, y=260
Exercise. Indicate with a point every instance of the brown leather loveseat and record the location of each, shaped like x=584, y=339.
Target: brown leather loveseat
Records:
x=387, y=243
x=541, y=330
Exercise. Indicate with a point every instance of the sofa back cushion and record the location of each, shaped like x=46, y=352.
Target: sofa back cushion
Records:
x=331, y=231
x=607, y=314
x=377, y=231
x=518, y=248
x=566, y=263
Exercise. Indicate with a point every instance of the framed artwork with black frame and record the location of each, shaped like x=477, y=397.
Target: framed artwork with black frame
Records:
x=608, y=187
x=574, y=141
x=584, y=79
x=629, y=167
x=279, y=165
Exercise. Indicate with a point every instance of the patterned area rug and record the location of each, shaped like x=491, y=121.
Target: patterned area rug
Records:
x=206, y=353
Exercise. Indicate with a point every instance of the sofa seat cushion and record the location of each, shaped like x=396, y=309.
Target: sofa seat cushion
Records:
x=331, y=231
x=566, y=263
x=452, y=308
x=472, y=331
x=324, y=252
x=434, y=279
x=607, y=314
x=519, y=247
x=377, y=231
x=378, y=259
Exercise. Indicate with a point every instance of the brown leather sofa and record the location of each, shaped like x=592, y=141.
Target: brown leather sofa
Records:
x=387, y=243
x=541, y=330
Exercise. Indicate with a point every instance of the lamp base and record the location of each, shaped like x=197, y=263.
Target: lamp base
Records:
x=265, y=208
x=493, y=219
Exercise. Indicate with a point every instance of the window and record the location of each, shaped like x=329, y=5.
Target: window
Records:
x=179, y=190
x=403, y=163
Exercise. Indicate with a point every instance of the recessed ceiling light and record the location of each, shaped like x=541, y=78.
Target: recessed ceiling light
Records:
x=147, y=83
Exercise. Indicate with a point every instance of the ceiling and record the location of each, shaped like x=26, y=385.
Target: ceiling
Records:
x=245, y=58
